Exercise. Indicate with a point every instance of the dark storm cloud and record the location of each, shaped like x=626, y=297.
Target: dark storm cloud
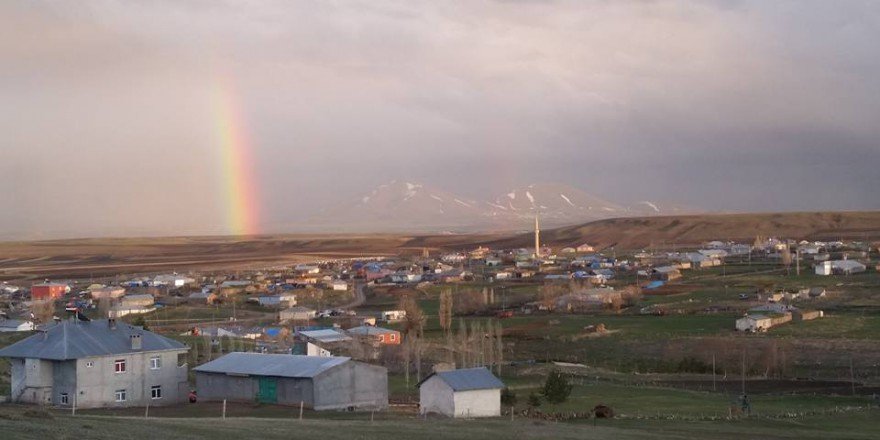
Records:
x=107, y=127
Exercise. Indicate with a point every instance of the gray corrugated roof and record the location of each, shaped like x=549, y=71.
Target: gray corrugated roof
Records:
x=325, y=335
x=278, y=365
x=469, y=379
x=80, y=339
x=369, y=330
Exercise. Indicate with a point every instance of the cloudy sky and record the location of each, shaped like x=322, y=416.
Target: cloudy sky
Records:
x=107, y=126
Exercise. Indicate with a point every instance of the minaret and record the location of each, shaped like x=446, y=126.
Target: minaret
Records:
x=537, y=237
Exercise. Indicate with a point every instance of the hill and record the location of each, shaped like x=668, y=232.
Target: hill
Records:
x=640, y=232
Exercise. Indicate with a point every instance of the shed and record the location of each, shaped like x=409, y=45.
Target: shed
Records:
x=319, y=382
x=471, y=392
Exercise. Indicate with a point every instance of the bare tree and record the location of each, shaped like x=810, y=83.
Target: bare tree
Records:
x=445, y=311
x=43, y=310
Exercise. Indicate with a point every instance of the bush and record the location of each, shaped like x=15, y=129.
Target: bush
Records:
x=556, y=388
x=534, y=400
x=508, y=398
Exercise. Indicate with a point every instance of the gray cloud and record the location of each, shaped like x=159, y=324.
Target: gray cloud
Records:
x=107, y=126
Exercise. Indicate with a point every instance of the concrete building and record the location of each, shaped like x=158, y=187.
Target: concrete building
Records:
x=753, y=323
x=97, y=364
x=472, y=392
x=319, y=382
x=48, y=290
x=297, y=313
x=376, y=334
x=112, y=292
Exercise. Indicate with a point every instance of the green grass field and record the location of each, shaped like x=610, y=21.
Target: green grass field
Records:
x=20, y=423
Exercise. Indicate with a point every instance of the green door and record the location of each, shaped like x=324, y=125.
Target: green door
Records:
x=267, y=390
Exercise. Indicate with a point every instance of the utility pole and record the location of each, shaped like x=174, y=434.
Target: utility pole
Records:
x=852, y=376
x=713, y=371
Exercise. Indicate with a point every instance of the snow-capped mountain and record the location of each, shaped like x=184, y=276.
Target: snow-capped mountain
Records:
x=404, y=205
x=554, y=202
x=412, y=206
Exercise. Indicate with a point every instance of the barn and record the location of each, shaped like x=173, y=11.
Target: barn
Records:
x=319, y=382
x=472, y=392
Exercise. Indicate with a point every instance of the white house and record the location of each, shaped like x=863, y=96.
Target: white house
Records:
x=844, y=267
x=472, y=392
x=754, y=323
x=339, y=285
x=16, y=325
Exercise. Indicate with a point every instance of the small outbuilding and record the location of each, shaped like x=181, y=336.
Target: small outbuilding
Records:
x=472, y=392
x=319, y=382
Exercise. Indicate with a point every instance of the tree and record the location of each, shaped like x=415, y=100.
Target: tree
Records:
x=445, y=311
x=415, y=318
x=139, y=321
x=534, y=400
x=508, y=398
x=556, y=388
x=43, y=310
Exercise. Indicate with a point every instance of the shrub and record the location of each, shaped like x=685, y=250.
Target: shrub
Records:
x=534, y=400
x=508, y=398
x=556, y=388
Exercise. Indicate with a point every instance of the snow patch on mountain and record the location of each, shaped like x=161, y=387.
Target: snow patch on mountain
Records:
x=531, y=198
x=651, y=205
x=567, y=200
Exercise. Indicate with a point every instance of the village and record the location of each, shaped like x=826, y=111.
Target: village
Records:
x=465, y=333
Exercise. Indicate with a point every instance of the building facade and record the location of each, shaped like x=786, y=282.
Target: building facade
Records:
x=97, y=364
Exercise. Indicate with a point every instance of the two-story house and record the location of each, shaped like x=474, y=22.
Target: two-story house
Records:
x=93, y=364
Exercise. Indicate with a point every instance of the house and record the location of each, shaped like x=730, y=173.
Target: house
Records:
x=753, y=323
x=307, y=268
x=393, y=315
x=339, y=285
x=280, y=300
x=378, y=334
x=405, y=277
x=16, y=325
x=665, y=273
x=133, y=305
x=318, y=382
x=93, y=364
x=493, y=262
x=586, y=247
x=172, y=280
x=839, y=267
x=103, y=292
x=472, y=392
x=203, y=297
x=297, y=313
x=324, y=336
x=43, y=291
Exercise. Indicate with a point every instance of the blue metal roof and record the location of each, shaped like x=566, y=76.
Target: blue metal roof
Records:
x=468, y=379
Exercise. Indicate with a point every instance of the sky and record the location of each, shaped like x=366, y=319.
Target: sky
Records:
x=108, y=123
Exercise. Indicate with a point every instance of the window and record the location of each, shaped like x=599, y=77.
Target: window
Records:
x=90, y=364
x=119, y=366
x=120, y=395
x=393, y=337
x=156, y=392
x=64, y=398
x=155, y=363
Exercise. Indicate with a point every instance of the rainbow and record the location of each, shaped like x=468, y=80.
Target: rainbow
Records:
x=239, y=187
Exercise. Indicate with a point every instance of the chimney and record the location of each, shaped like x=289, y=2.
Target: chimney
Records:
x=111, y=323
x=135, y=341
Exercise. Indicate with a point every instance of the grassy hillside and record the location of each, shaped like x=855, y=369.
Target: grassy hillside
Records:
x=640, y=232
